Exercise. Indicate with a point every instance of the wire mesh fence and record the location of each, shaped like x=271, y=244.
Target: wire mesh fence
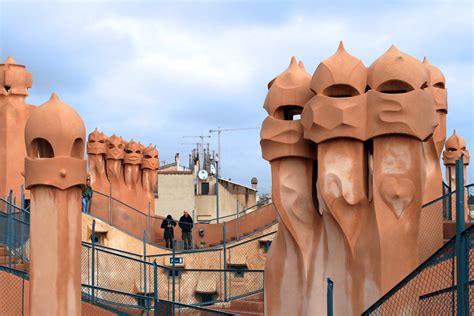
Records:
x=124, y=281
x=12, y=298
x=432, y=288
x=432, y=218
x=470, y=201
x=14, y=234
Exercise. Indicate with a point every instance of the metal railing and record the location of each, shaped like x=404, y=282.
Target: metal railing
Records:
x=14, y=231
x=133, y=221
x=13, y=302
x=238, y=212
x=444, y=283
x=108, y=273
x=168, y=283
x=431, y=289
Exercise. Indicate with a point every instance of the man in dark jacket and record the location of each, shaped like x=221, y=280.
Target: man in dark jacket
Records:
x=168, y=225
x=186, y=224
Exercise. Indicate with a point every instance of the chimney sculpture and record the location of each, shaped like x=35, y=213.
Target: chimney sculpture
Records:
x=336, y=119
x=131, y=163
x=455, y=147
x=14, y=112
x=96, y=149
x=292, y=162
x=347, y=180
x=431, y=220
x=254, y=182
x=55, y=171
x=150, y=165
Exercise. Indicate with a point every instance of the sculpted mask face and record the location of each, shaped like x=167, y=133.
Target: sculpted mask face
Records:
x=133, y=153
x=54, y=139
x=455, y=147
x=115, y=148
x=282, y=133
x=436, y=85
x=339, y=107
x=96, y=143
x=399, y=101
x=150, y=158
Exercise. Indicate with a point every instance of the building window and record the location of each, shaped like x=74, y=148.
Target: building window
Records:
x=100, y=238
x=206, y=298
x=205, y=188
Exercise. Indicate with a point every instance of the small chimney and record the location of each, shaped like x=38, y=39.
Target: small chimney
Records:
x=254, y=183
x=176, y=159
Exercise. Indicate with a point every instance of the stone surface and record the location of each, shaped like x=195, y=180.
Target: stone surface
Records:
x=350, y=210
x=55, y=172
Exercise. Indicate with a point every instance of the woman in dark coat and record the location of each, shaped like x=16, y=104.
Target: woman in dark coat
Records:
x=168, y=225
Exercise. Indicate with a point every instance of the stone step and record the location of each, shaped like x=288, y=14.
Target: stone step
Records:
x=21, y=266
x=247, y=306
x=4, y=259
x=242, y=313
x=256, y=297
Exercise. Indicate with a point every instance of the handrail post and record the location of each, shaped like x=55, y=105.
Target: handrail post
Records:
x=330, y=303
x=450, y=207
x=217, y=190
x=22, y=190
x=225, y=260
x=193, y=231
x=460, y=245
x=93, y=262
x=144, y=269
x=155, y=288
x=23, y=221
x=9, y=229
x=174, y=276
x=237, y=231
x=149, y=222
x=110, y=203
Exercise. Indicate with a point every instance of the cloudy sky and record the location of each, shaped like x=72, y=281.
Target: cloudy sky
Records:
x=157, y=71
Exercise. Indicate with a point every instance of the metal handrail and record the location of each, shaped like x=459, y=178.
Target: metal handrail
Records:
x=237, y=215
x=427, y=263
x=253, y=239
x=89, y=245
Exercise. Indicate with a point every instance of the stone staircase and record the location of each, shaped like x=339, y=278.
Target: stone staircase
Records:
x=249, y=306
x=17, y=263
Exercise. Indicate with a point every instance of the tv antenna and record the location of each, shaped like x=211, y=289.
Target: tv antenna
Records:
x=219, y=130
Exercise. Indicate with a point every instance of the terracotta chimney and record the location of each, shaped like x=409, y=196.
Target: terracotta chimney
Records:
x=55, y=172
x=254, y=183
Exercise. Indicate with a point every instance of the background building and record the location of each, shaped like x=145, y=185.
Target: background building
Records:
x=194, y=188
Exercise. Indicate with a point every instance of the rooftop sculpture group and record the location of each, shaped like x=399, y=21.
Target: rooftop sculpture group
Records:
x=349, y=178
x=127, y=170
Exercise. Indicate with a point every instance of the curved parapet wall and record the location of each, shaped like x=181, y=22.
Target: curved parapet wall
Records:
x=349, y=178
x=236, y=228
x=136, y=222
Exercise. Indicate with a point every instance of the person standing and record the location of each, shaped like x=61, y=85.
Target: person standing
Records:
x=86, y=197
x=186, y=225
x=168, y=225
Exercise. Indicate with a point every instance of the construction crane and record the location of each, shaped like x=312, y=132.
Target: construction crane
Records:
x=218, y=131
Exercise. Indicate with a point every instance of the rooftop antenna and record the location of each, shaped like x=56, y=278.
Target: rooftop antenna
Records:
x=202, y=141
x=218, y=131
